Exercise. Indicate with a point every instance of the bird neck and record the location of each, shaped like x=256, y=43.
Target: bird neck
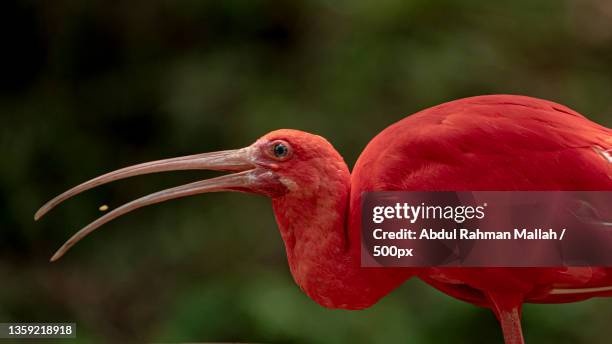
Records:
x=323, y=256
x=312, y=224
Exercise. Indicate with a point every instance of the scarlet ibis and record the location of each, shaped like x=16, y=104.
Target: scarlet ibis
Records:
x=496, y=142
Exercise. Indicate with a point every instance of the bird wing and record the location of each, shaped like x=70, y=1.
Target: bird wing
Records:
x=490, y=143
x=493, y=143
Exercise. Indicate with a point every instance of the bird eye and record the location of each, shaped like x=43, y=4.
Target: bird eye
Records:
x=280, y=150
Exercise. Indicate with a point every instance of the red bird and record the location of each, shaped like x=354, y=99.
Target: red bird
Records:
x=499, y=143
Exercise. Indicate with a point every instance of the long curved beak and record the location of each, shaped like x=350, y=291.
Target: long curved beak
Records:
x=248, y=179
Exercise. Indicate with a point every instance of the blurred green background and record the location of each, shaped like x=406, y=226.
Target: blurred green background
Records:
x=91, y=86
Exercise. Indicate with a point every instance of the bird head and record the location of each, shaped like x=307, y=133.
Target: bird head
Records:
x=281, y=163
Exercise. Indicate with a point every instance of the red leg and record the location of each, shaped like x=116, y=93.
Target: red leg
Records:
x=507, y=308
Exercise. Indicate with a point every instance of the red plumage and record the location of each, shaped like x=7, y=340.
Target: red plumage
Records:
x=486, y=143
x=492, y=143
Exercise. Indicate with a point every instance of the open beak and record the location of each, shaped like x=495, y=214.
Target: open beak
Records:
x=249, y=178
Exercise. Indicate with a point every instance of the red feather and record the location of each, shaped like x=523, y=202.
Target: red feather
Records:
x=493, y=143
x=487, y=143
